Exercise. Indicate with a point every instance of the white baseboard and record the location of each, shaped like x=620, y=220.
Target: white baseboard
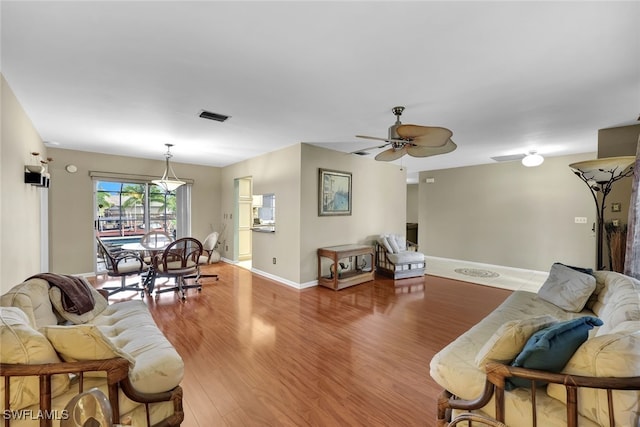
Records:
x=481, y=264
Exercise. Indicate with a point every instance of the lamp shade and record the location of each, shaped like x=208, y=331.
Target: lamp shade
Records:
x=603, y=170
x=168, y=185
x=169, y=180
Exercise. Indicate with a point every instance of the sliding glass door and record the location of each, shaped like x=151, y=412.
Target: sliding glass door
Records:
x=125, y=211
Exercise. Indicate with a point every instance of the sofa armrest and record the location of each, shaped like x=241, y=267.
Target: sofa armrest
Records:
x=498, y=372
x=117, y=370
x=174, y=396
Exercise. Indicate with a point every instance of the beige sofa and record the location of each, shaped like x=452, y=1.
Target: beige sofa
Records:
x=51, y=355
x=476, y=368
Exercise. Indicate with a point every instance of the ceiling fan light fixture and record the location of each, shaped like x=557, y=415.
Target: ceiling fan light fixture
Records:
x=169, y=181
x=532, y=159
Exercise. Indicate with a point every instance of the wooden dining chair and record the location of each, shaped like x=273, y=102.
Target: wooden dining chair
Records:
x=209, y=254
x=177, y=261
x=122, y=264
x=154, y=242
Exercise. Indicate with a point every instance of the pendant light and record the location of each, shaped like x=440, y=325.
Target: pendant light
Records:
x=169, y=181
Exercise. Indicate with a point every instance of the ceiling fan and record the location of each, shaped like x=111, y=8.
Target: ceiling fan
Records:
x=414, y=140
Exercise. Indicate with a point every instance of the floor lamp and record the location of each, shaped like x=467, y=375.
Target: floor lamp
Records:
x=599, y=175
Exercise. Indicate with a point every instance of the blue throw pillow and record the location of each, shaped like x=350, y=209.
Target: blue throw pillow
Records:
x=551, y=348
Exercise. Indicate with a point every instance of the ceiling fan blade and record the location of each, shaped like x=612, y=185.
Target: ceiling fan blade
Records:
x=425, y=136
x=422, y=151
x=382, y=139
x=373, y=137
x=369, y=148
x=391, y=154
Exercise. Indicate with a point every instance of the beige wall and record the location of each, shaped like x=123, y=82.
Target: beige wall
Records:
x=507, y=214
x=277, y=172
x=413, y=205
x=71, y=202
x=379, y=201
x=292, y=175
x=19, y=202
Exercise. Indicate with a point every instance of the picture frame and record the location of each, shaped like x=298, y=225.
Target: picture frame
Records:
x=616, y=207
x=334, y=193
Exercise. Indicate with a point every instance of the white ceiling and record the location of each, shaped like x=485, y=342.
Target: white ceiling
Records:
x=506, y=77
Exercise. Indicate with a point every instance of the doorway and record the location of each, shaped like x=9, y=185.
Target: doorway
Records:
x=243, y=219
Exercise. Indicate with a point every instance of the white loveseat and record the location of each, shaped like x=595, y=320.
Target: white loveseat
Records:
x=117, y=348
x=475, y=368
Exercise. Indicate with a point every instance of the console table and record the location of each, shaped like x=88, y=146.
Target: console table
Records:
x=359, y=270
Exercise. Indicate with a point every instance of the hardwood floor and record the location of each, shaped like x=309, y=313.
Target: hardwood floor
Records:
x=258, y=353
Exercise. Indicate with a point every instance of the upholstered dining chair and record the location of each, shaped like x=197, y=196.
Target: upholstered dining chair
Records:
x=154, y=242
x=122, y=264
x=177, y=261
x=209, y=255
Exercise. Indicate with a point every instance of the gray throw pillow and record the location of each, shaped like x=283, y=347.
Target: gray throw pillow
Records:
x=567, y=288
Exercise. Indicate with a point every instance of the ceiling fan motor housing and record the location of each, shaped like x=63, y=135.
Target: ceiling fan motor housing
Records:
x=393, y=134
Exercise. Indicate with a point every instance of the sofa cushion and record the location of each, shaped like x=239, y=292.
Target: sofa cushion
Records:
x=32, y=297
x=83, y=342
x=567, y=287
x=551, y=348
x=131, y=328
x=618, y=300
x=55, y=295
x=510, y=338
x=20, y=343
x=616, y=354
x=406, y=257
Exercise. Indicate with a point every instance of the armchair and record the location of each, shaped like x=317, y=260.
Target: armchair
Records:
x=398, y=258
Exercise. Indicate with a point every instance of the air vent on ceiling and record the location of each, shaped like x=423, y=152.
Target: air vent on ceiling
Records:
x=213, y=116
x=508, y=158
x=361, y=153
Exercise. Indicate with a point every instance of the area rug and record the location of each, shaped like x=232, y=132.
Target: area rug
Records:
x=477, y=272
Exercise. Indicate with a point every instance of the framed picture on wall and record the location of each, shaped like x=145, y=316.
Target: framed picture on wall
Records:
x=334, y=193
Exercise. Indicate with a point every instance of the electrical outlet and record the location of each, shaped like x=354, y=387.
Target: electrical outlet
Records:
x=274, y=260
x=580, y=220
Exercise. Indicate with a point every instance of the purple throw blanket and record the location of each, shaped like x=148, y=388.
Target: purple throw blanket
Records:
x=76, y=295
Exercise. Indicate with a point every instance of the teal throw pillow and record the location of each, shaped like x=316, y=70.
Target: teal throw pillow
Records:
x=551, y=348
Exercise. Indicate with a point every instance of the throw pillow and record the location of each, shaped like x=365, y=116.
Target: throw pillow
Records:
x=83, y=342
x=394, y=243
x=23, y=344
x=55, y=295
x=384, y=241
x=567, y=288
x=551, y=348
x=401, y=241
x=508, y=340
